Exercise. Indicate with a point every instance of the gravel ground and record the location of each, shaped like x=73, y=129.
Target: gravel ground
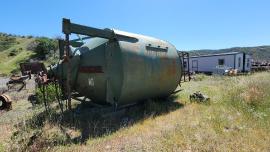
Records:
x=14, y=92
x=3, y=81
x=20, y=105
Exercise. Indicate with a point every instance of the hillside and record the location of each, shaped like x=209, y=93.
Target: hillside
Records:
x=13, y=50
x=259, y=53
x=16, y=49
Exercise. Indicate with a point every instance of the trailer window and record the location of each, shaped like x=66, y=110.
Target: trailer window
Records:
x=221, y=61
x=248, y=63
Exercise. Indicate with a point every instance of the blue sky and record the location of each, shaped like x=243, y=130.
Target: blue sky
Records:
x=188, y=24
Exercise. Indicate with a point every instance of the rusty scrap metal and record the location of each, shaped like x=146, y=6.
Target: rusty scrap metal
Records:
x=26, y=69
x=42, y=78
x=198, y=97
x=231, y=72
x=13, y=80
x=33, y=68
x=6, y=102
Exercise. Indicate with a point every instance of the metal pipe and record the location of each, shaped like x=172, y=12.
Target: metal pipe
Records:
x=68, y=71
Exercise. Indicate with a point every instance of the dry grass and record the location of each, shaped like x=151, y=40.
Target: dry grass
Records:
x=237, y=119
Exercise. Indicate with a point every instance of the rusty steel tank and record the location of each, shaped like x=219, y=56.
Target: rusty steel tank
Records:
x=122, y=68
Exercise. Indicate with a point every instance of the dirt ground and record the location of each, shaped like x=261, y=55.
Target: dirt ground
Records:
x=21, y=107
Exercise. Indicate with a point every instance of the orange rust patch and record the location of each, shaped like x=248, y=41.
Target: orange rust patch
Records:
x=171, y=69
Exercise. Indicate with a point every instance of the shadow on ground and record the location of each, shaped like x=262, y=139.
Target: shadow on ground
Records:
x=93, y=123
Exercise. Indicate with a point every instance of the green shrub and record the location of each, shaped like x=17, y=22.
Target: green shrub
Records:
x=50, y=94
x=44, y=46
x=29, y=36
x=13, y=52
x=6, y=42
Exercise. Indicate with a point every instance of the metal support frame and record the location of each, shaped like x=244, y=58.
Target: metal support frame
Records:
x=64, y=45
x=188, y=72
x=68, y=84
x=69, y=28
x=185, y=55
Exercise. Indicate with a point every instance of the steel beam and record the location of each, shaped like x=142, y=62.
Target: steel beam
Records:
x=69, y=28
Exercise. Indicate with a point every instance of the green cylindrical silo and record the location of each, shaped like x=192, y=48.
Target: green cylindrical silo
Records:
x=125, y=70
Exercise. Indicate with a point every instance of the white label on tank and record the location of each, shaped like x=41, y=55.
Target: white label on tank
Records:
x=91, y=82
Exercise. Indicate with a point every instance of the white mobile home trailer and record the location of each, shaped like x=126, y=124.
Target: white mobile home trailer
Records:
x=213, y=63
